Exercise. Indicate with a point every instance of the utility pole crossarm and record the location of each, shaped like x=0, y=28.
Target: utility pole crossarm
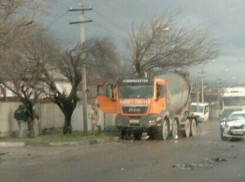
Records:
x=78, y=22
x=83, y=9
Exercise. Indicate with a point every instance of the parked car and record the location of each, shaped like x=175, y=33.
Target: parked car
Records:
x=234, y=126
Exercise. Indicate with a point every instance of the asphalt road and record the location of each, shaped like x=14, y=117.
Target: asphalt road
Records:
x=196, y=159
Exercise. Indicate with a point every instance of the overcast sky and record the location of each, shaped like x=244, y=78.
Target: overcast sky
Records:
x=112, y=18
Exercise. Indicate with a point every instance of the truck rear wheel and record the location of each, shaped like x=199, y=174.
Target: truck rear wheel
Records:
x=175, y=130
x=193, y=127
x=187, y=128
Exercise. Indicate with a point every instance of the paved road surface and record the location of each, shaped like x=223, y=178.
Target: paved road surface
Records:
x=204, y=158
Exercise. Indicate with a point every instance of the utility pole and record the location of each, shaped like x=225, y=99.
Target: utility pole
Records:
x=198, y=93
x=202, y=76
x=84, y=76
x=218, y=82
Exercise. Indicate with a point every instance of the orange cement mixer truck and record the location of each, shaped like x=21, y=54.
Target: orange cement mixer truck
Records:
x=158, y=106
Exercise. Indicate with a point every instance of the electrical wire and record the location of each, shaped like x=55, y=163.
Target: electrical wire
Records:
x=111, y=22
x=96, y=23
x=55, y=20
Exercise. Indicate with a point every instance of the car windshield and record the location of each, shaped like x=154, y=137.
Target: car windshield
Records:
x=135, y=91
x=234, y=117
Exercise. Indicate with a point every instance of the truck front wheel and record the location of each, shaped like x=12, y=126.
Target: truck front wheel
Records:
x=125, y=134
x=137, y=135
x=163, y=130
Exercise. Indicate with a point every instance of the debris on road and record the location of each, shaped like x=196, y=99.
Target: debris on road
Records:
x=210, y=161
x=123, y=169
x=206, y=164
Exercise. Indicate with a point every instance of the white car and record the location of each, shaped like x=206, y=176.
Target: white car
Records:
x=234, y=126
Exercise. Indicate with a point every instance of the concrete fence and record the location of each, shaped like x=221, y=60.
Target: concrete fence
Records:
x=50, y=117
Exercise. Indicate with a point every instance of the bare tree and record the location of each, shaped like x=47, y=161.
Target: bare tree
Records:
x=95, y=53
x=16, y=16
x=19, y=73
x=65, y=68
x=40, y=68
x=23, y=64
x=159, y=45
x=104, y=64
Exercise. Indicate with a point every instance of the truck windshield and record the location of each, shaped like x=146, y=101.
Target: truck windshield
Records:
x=234, y=101
x=135, y=91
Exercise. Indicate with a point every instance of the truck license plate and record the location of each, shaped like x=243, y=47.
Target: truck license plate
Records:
x=134, y=121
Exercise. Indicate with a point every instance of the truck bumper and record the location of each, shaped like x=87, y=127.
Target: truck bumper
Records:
x=137, y=123
x=200, y=120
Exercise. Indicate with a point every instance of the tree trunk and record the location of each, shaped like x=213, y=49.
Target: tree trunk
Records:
x=30, y=123
x=30, y=118
x=67, y=129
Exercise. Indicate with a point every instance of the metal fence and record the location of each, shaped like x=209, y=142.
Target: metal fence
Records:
x=50, y=117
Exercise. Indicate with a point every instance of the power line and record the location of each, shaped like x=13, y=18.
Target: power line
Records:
x=62, y=5
x=108, y=29
x=55, y=20
x=111, y=22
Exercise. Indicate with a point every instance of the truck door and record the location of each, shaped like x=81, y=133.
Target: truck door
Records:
x=106, y=98
x=160, y=102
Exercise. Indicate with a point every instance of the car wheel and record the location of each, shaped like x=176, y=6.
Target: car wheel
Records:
x=222, y=135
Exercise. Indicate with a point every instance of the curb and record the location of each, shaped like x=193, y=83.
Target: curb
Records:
x=54, y=144
x=12, y=144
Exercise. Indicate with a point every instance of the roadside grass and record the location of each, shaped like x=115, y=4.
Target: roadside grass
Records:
x=58, y=136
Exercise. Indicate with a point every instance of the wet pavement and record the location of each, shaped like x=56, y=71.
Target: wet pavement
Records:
x=201, y=158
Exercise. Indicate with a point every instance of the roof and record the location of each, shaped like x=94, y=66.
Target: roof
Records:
x=199, y=104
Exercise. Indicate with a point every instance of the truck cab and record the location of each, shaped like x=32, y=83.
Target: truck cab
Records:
x=233, y=98
x=138, y=103
x=132, y=97
x=201, y=110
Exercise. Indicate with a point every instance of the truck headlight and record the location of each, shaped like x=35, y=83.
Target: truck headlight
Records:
x=152, y=121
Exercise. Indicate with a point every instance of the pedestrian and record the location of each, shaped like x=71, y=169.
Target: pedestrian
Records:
x=94, y=117
x=20, y=115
